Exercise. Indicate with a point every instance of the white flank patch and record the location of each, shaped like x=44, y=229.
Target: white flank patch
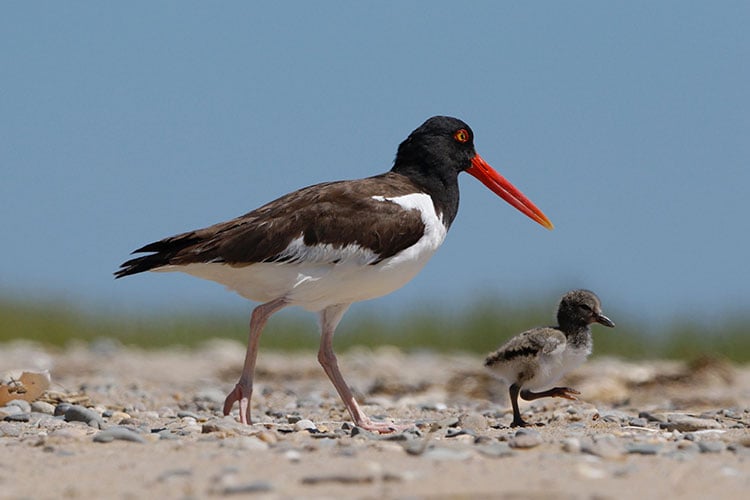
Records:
x=311, y=280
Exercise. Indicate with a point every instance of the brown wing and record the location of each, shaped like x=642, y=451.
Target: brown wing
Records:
x=336, y=214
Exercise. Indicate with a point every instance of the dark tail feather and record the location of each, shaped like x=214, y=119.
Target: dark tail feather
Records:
x=165, y=250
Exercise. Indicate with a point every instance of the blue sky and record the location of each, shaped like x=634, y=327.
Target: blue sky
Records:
x=628, y=123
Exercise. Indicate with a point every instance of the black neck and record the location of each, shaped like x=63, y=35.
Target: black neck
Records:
x=441, y=184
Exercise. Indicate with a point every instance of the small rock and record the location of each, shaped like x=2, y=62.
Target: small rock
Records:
x=603, y=446
x=43, y=407
x=711, y=446
x=7, y=411
x=118, y=417
x=643, y=448
x=525, y=439
x=253, y=487
x=118, y=432
x=495, y=450
x=190, y=414
x=18, y=417
x=304, y=424
x=61, y=408
x=653, y=417
x=614, y=416
x=473, y=422
x=293, y=456
x=457, y=431
x=571, y=445
x=686, y=423
x=638, y=422
x=25, y=406
x=76, y=413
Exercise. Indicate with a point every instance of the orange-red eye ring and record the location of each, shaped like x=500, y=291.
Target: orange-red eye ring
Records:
x=461, y=135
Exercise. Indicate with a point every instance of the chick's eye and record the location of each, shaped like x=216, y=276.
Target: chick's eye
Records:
x=461, y=135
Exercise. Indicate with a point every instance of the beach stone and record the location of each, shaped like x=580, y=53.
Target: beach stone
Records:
x=7, y=411
x=495, y=450
x=248, y=488
x=653, y=417
x=526, y=438
x=118, y=433
x=117, y=417
x=644, y=448
x=61, y=408
x=76, y=413
x=190, y=414
x=614, y=416
x=711, y=446
x=638, y=422
x=43, y=407
x=18, y=417
x=603, y=446
x=687, y=423
x=473, y=422
x=304, y=424
x=571, y=445
x=25, y=406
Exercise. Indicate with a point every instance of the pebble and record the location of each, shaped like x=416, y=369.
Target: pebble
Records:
x=473, y=422
x=495, y=450
x=76, y=413
x=43, y=407
x=10, y=410
x=525, y=439
x=687, y=423
x=119, y=433
x=638, y=422
x=25, y=406
x=61, y=408
x=643, y=448
x=243, y=489
x=18, y=417
x=304, y=424
x=711, y=446
x=571, y=445
x=603, y=447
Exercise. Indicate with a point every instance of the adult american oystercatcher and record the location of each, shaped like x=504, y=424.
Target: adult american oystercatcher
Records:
x=327, y=246
x=537, y=358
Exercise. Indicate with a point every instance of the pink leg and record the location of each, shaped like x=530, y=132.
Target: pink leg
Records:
x=243, y=391
x=329, y=319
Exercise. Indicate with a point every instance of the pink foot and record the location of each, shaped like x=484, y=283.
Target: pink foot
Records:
x=237, y=395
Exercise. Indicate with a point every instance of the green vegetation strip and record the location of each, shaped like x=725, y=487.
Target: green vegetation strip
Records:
x=479, y=329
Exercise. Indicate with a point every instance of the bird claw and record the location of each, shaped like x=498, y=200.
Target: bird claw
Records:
x=567, y=393
x=237, y=395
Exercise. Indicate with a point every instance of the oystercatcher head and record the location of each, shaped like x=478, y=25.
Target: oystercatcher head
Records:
x=327, y=246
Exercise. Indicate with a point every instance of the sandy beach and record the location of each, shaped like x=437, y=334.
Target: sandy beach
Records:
x=120, y=422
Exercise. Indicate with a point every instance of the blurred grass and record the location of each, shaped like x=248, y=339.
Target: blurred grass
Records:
x=480, y=328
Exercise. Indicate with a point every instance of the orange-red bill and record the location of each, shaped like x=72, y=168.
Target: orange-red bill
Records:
x=507, y=191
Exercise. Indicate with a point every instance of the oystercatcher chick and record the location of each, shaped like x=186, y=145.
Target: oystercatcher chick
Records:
x=537, y=358
x=327, y=246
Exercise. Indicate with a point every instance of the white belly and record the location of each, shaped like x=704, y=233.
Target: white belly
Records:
x=553, y=367
x=309, y=279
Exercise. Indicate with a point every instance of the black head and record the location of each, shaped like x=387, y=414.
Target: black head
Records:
x=441, y=144
x=578, y=309
x=441, y=148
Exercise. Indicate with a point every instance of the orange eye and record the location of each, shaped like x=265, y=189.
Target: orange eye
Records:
x=461, y=135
